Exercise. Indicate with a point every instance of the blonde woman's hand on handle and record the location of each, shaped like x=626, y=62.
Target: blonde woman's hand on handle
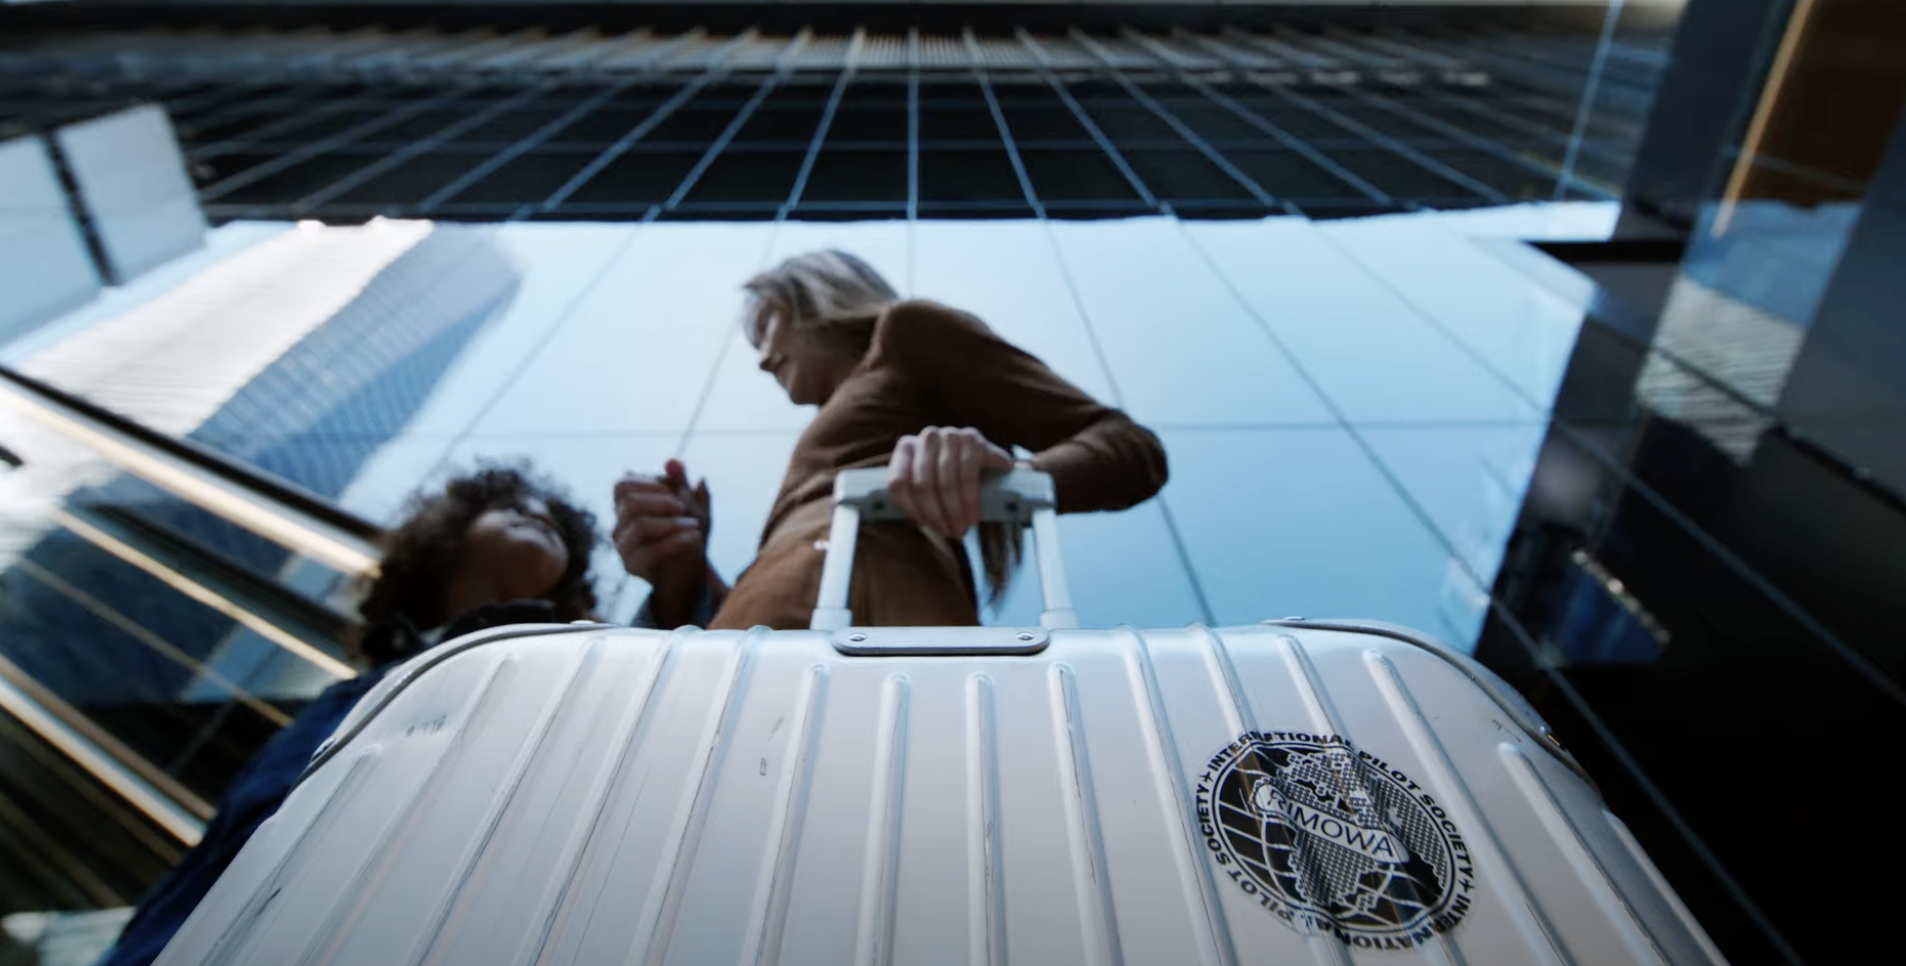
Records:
x=934, y=476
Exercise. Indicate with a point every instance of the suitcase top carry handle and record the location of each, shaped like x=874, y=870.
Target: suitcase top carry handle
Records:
x=1021, y=497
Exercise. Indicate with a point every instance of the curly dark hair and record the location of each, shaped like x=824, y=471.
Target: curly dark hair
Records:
x=420, y=555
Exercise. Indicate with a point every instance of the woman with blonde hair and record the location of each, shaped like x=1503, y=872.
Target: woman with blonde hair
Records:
x=926, y=390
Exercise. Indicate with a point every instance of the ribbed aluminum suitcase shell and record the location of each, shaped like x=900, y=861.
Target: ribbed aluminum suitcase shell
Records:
x=1282, y=793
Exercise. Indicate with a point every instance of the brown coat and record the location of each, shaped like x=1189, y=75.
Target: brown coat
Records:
x=930, y=365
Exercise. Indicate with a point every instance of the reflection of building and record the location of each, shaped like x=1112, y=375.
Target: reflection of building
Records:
x=309, y=416
x=182, y=684
x=1705, y=594
x=319, y=410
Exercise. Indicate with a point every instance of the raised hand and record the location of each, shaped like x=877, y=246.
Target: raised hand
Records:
x=661, y=526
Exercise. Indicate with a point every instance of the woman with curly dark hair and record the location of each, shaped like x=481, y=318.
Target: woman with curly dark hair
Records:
x=493, y=539
x=492, y=548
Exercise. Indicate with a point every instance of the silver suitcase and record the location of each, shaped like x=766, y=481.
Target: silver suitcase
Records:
x=1297, y=791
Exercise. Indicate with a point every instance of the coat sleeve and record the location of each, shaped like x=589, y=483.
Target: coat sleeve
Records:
x=1099, y=459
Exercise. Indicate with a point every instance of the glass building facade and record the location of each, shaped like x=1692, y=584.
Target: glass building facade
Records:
x=1564, y=337
x=1008, y=122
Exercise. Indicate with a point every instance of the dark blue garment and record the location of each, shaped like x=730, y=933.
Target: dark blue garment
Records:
x=265, y=781
x=251, y=798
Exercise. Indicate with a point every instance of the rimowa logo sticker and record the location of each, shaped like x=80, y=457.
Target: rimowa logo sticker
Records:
x=1331, y=839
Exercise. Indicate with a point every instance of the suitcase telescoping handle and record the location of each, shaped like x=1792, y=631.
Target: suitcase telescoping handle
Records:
x=1021, y=497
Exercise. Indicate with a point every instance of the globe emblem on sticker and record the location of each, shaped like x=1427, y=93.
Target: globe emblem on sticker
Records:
x=1334, y=840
